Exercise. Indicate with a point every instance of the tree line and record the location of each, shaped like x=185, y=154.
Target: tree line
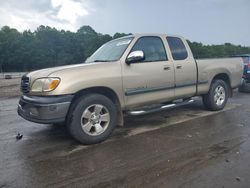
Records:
x=49, y=47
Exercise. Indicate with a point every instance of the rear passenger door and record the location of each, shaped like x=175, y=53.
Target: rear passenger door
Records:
x=184, y=66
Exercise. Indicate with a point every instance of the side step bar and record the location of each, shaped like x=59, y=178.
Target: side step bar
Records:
x=160, y=108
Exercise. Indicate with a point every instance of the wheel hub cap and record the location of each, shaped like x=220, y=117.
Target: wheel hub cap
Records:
x=219, y=95
x=95, y=119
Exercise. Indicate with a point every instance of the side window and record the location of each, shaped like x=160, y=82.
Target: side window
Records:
x=178, y=49
x=152, y=47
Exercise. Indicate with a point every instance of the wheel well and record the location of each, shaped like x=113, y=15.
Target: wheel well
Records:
x=224, y=77
x=100, y=90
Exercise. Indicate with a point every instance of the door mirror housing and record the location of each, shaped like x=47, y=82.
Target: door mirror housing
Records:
x=135, y=56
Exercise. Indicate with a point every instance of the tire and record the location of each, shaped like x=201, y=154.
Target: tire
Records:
x=92, y=118
x=241, y=88
x=244, y=87
x=61, y=124
x=217, y=96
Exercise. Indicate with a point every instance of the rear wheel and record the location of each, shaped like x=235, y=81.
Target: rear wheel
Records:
x=92, y=118
x=217, y=96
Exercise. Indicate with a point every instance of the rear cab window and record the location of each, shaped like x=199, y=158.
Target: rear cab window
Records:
x=152, y=47
x=177, y=48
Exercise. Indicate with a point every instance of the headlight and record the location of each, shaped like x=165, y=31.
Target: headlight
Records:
x=45, y=84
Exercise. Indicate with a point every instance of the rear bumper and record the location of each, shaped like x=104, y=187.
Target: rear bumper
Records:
x=45, y=109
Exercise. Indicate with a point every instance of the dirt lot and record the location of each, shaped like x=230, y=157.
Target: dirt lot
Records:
x=183, y=147
x=9, y=87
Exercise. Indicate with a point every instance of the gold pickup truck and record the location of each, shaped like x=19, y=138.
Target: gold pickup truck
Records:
x=133, y=75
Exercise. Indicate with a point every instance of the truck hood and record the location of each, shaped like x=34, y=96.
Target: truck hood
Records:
x=46, y=72
x=73, y=72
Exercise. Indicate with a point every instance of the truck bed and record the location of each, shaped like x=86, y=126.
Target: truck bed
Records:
x=208, y=68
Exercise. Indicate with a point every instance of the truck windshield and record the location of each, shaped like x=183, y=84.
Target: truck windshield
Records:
x=111, y=51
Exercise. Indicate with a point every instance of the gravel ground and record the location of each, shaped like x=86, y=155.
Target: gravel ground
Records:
x=10, y=88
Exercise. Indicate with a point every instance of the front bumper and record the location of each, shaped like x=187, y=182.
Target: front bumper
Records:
x=46, y=109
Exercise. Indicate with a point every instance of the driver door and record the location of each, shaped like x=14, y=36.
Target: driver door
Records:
x=150, y=80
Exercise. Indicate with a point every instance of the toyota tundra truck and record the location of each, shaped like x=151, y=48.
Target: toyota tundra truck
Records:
x=129, y=76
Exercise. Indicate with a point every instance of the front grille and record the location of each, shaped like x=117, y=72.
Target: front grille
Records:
x=25, y=84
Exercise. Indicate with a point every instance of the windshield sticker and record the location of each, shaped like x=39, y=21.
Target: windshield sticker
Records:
x=123, y=42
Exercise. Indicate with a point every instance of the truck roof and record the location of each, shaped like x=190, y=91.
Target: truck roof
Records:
x=152, y=34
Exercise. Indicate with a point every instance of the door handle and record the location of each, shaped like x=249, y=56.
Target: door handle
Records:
x=166, y=68
x=178, y=67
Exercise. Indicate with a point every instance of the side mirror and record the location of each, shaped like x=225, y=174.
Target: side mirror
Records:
x=135, y=56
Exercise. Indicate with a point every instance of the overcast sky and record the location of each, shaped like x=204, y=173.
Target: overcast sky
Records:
x=207, y=21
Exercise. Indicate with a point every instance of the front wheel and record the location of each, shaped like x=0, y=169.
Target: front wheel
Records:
x=217, y=96
x=92, y=118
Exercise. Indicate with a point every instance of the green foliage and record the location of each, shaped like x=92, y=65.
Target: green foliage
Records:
x=46, y=47
x=118, y=35
x=213, y=51
x=49, y=47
